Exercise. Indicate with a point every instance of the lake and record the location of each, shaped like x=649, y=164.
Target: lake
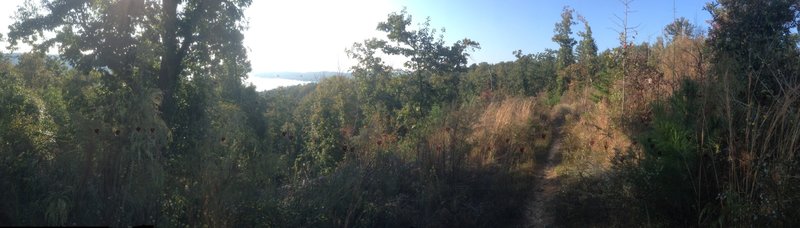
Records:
x=263, y=84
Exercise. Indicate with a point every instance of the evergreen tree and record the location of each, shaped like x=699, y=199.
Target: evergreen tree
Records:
x=680, y=27
x=564, y=38
x=587, y=48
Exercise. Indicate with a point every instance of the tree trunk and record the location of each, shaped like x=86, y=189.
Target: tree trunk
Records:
x=170, y=63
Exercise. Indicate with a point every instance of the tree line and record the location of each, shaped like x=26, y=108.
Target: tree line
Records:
x=143, y=118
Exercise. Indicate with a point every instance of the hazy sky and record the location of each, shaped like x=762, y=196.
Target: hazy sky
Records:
x=311, y=35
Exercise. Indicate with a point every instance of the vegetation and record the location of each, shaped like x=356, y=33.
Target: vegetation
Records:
x=143, y=118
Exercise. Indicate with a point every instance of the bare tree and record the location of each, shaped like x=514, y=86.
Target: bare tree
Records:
x=624, y=32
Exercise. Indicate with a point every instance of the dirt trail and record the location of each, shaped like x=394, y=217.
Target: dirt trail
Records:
x=547, y=184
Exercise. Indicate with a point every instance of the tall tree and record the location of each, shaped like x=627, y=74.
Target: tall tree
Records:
x=138, y=42
x=155, y=68
x=426, y=51
x=564, y=38
x=433, y=65
x=373, y=77
x=587, y=48
x=680, y=27
x=624, y=33
x=755, y=38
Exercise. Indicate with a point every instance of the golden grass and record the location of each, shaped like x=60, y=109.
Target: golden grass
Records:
x=503, y=133
x=592, y=137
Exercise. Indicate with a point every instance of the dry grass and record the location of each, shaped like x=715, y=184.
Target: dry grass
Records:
x=591, y=131
x=763, y=168
x=596, y=133
x=508, y=132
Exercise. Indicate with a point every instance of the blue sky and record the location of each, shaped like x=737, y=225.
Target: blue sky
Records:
x=311, y=35
x=504, y=26
x=325, y=28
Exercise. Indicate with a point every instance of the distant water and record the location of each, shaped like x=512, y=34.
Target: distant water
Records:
x=263, y=84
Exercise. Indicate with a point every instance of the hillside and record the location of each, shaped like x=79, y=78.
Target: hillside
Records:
x=302, y=76
x=155, y=125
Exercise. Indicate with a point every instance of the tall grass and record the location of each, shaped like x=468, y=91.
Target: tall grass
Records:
x=505, y=133
x=761, y=145
x=461, y=166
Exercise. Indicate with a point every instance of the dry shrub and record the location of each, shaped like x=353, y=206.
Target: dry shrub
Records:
x=644, y=84
x=595, y=139
x=592, y=134
x=444, y=145
x=683, y=58
x=763, y=177
x=503, y=132
x=372, y=138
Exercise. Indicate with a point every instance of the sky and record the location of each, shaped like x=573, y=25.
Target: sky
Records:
x=312, y=35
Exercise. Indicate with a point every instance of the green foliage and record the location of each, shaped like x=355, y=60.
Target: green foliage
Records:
x=426, y=51
x=680, y=28
x=433, y=75
x=130, y=140
x=587, y=49
x=609, y=71
x=150, y=124
x=752, y=41
x=563, y=37
x=670, y=164
x=334, y=117
x=26, y=143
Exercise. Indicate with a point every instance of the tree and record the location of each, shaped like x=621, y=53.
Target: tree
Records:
x=754, y=52
x=755, y=39
x=680, y=27
x=27, y=144
x=565, y=55
x=152, y=77
x=522, y=64
x=138, y=42
x=563, y=37
x=373, y=77
x=433, y=66
x=587, y=49
x=623, y=39
x=334, y=117
x=426, y=51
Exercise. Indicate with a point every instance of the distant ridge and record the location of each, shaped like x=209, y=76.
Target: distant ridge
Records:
x=301, y=76
x=14, y=58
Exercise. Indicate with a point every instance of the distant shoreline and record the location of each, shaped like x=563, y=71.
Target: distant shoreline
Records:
x=269, y=83
x=301, y=76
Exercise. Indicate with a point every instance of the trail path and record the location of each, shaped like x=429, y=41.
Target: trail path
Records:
x=547, y=184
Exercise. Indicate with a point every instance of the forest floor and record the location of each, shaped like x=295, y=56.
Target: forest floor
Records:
x=547, y=183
